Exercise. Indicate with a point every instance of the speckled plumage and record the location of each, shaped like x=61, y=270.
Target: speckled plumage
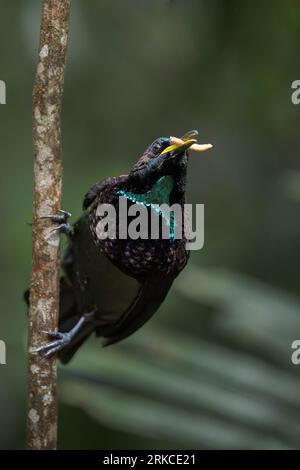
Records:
x=137, y=258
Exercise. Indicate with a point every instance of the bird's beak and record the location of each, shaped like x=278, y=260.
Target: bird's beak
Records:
x=178, y=147
x=188, y=141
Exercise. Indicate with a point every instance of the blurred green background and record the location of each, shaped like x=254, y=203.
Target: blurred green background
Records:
x=213, y=368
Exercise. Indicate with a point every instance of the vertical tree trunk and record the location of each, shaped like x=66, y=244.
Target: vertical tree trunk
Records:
x=44, y=291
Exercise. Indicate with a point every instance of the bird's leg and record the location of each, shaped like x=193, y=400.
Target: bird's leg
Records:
x=62, y=220
x=63, y=339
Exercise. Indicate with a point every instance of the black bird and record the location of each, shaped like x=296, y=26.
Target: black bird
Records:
x=113, y=286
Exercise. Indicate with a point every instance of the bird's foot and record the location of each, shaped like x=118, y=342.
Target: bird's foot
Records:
x=62, y=220
x=61, y=341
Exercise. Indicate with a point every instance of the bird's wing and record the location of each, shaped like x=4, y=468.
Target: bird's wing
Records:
x=152, y=293
x=100, y=187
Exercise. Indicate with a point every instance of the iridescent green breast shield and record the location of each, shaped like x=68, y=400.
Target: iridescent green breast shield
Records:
x=158, y=195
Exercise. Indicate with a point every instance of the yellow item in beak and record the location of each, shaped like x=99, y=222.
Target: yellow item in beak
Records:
x=177, y=142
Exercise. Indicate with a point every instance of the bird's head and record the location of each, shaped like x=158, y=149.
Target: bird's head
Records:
x=166, y=156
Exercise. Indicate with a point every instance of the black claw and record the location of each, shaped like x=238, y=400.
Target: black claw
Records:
x=63, y=228
x=53, y=334
x=52, y=351
x=62, y=220
x=63, y=339
x=44, y=347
